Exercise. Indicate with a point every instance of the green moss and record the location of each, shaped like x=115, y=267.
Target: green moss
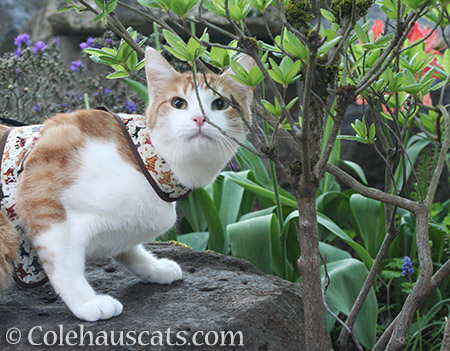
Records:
x=298, y=13
x=342, y=8
x=269, y=151
x=345, y=96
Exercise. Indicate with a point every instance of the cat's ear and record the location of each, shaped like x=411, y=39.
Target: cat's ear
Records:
x=248, y=63
x=158, y=71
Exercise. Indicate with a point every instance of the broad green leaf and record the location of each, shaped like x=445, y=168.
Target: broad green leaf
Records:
x=249, y=160
x=415, y=146
x=139, y=88
x=261, y=191
x=190, y=205
x=346, y=280
x=197, y=240
x=334, y=228
x=253, y=241
x=369, y=216
x=332, y=253
x=231, y=200
x=216, y=233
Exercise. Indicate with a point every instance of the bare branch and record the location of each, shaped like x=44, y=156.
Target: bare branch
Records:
x=372, y=193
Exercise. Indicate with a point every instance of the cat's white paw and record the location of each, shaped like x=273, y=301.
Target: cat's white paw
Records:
x=101, y=307
x=164, y=272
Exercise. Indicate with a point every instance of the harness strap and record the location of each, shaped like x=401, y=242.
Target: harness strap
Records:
x=2, y=149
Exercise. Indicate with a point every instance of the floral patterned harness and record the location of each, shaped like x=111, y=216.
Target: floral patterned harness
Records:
x=16, y=144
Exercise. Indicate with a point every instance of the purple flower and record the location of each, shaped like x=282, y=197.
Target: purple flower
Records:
x=76, y=66
x=107, y=91
x=22, y=39
x=56, y=41
x=90, y=41
x=18, y=52
x=407, y=266
x=37, y=107
x=131, y=107
x=137, y=39
x=84, y=45
x=108, y=41
x=39, y=47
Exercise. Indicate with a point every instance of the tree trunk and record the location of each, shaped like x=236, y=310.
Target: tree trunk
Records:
x=309, y=264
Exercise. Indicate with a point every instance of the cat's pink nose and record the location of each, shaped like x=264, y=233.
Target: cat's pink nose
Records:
x=200, y=120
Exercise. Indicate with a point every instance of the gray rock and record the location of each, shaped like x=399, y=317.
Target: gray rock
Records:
x=13, y=15
x=217, y=293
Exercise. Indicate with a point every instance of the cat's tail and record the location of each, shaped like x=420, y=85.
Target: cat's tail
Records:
x=9, y=246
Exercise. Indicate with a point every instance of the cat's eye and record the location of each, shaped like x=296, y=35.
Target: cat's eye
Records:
x=219, y=104
x=179, y=103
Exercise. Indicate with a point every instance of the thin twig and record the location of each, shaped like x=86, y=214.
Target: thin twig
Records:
x=348, y=329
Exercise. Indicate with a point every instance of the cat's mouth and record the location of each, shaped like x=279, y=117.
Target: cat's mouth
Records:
x=199, y=135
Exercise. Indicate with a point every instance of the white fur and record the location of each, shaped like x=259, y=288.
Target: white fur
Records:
x=196, y=158
x=111, y=209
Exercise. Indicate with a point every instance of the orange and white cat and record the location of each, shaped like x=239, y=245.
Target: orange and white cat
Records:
x=81, y=195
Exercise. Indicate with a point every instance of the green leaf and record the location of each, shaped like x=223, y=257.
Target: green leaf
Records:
x=261, y=191
x=357, y=169
x=100, y=4
x=327, y=15
x=361, y=33
x=151, y=3
x=334, y=228
x=132, y=61
x=64, y=9
x=252, y=240
x=232, y=195
x=111, y=6
x=109, y=60
x=327, y=46
x=444, y=61
x=332, y=253
x=177, y=46
x=249, y=160
x=117, y=75
x=197, y=240
x=139, y=88
x=346, y=280
x=369, y=216
x=216, y=233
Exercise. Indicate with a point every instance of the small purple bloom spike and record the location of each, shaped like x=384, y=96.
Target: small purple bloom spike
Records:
x=90, y=41
x=108, y=41
x=407, y=266
x=22, y=39
x=84, y=45
x=37, y=107
x=18, y=52
x=107, y=91
x=39, y=47
x=76, y=66
x=131, y=107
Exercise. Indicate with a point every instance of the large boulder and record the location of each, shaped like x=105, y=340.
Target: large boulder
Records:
x=13, y=15
x=217, y=293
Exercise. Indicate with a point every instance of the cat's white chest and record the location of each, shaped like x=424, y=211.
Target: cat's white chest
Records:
x=111, y=205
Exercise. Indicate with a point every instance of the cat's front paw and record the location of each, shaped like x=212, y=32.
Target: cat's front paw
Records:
x=101, y=307
x=164, y=272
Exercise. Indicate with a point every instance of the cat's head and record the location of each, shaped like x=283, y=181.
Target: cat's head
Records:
x=195, y=149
